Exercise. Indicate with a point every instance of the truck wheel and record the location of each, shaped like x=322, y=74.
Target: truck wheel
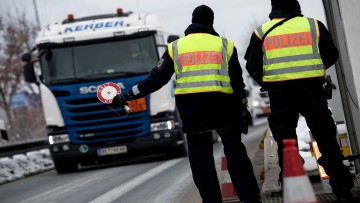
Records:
x=179, y=151
x=65, y=166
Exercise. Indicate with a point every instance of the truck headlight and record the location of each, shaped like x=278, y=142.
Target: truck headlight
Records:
x=166, y=125
x=255, y=103
x=54, y=139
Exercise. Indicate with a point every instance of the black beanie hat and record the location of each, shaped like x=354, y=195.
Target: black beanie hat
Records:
x=286, y=5
x=204, y=15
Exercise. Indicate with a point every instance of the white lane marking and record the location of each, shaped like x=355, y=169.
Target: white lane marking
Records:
x=61, y=191
x=120, y=190
x=176, y=189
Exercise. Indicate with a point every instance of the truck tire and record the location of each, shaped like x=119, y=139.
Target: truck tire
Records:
x=65, y=166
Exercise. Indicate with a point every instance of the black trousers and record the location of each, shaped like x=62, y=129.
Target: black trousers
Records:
x=286, y=105
x=202, y=164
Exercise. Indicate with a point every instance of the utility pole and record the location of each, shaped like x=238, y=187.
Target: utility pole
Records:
x=37, y=14
x=341, y=16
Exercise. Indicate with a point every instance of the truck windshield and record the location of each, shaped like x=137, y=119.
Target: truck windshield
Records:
x=98, y=61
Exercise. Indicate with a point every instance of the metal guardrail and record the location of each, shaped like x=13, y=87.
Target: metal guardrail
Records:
x=23, y=147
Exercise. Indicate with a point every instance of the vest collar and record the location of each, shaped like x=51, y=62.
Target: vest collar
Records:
x=283, y=14
x=200, y=28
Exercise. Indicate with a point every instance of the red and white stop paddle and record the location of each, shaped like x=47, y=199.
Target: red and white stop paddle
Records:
x=107, y=91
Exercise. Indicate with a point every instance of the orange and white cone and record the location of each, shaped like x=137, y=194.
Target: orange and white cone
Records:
x=227, y=188
x=296, y=184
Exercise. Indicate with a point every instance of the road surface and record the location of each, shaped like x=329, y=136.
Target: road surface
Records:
x=155, y=180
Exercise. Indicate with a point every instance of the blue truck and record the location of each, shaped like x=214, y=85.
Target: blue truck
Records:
x=72, y=59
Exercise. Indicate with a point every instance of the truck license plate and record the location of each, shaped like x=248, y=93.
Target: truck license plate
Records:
x=112, y=150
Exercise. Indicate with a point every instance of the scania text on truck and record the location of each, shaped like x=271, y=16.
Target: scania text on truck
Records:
x=72, y=59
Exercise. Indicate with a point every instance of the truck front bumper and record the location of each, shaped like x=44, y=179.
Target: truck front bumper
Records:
x=155, y=143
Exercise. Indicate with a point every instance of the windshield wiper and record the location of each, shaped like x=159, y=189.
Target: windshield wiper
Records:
x=124, y=73
x=116, y=74
x=68, y=80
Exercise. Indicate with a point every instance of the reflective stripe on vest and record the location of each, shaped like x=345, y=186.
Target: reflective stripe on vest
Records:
x=291, y=50
x=201, y=63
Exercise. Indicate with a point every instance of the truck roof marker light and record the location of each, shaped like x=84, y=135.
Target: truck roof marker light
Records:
x=119, y=11
x=70, y=17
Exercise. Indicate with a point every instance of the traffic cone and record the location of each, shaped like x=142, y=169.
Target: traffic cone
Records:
x=296, y=184
x=227, y=188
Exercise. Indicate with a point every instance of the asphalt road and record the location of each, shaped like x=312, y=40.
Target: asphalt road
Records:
x=156, y=180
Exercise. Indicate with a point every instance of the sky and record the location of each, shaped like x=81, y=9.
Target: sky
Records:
x=234, y=19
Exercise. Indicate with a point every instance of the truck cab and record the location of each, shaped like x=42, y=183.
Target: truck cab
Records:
x=74, y=58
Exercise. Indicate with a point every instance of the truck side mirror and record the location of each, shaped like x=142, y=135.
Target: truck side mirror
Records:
x=26, y=57
x=29, y=73
x=172, y=38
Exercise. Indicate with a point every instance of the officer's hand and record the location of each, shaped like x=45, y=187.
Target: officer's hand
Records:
x=245, y=119
x=119, y=101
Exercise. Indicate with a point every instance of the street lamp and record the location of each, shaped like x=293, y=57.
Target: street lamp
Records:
x=37, y=14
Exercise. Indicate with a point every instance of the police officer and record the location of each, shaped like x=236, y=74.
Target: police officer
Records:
x=288, y=57
x=210, y=96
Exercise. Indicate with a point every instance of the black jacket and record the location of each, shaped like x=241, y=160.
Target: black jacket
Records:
x=200, y=112
x=254, y=56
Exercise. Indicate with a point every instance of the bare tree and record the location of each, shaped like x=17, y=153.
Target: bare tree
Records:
x=17, y=34
x=244, y=42
x=249, y=29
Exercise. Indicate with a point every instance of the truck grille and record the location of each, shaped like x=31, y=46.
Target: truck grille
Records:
x=89, y=120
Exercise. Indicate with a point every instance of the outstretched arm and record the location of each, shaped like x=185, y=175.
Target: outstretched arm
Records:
x=159, y=76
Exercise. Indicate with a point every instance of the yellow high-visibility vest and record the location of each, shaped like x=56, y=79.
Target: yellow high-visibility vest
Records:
x=201, y=63
x=291, y=51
